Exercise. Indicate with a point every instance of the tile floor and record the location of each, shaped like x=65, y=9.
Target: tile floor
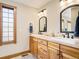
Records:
x=29, y=56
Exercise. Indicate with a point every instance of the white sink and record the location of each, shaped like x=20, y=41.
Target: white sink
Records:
x=70, y=42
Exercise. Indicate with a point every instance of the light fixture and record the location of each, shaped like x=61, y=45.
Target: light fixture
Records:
x=61, y=2
x=42, y=13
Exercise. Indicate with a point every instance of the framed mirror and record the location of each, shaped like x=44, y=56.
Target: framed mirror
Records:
x=43, y=24
x=68, y=19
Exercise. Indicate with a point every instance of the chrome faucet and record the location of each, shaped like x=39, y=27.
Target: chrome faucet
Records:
x=67, y=35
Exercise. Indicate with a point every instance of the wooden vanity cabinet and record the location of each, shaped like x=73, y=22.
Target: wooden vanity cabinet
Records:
x=53, y=49
x=69, y=53
x=58, y=51
x=43, y=49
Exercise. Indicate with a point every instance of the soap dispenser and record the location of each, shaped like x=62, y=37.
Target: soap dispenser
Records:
x=30, y=27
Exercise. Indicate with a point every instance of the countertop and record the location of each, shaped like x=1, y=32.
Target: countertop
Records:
x=64, y=41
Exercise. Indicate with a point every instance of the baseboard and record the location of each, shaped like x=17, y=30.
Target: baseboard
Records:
x=15, y=55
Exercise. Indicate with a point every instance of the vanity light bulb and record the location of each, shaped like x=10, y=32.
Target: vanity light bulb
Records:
x=45, y=12
x=62, y=3
x=41, y=14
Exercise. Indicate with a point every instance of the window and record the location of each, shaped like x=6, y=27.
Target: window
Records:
x=7, y=24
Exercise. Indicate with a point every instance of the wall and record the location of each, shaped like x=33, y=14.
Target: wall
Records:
x=54, y=8
x=25, y=14
x=53, y=16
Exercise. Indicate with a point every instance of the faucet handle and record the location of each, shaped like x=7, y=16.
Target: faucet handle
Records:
x=72, y=36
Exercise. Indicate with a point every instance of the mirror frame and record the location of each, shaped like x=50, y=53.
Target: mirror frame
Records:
x=61, y=19
x=45, y=22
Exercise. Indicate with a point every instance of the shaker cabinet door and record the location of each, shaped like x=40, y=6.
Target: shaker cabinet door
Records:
x=35, y=48
x=53, y=53
x=31, y=45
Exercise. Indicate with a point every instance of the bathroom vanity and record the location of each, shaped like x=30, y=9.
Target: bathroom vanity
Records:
x=45, y=47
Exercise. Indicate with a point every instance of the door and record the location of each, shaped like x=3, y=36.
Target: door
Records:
x=42, y=51
x=31, y=45
x=35, y=44
x=53, y=53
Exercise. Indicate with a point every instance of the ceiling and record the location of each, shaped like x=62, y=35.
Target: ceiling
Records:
x=33, y=3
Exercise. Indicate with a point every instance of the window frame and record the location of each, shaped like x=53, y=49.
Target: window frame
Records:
x=10, y=7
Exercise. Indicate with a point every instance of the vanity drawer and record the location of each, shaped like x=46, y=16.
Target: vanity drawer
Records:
x=35, y=39
x=43, y=42
x=42, y=47
x=71, y=51
x=42, y=54
x=53, y=45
